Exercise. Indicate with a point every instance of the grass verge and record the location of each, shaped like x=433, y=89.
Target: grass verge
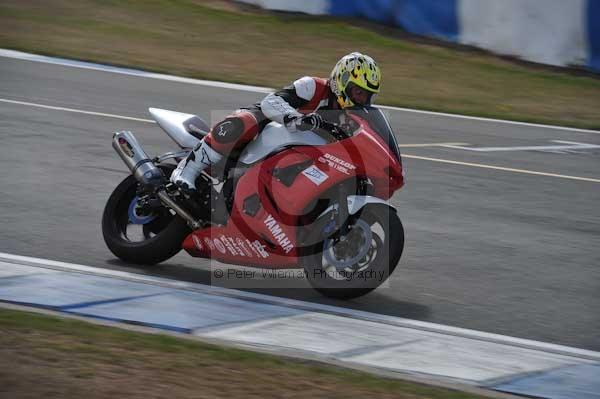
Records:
x=47, y=356
x=217, y=40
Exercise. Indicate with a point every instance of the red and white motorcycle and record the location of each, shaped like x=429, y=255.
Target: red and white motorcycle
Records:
x=314, y=200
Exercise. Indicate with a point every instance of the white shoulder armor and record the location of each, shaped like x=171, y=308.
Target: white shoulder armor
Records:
x=305, y=88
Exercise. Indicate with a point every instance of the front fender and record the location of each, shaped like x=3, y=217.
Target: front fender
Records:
x=356, y=203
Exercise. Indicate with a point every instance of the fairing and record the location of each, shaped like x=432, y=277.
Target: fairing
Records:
x=267, y=236
x=275, y=137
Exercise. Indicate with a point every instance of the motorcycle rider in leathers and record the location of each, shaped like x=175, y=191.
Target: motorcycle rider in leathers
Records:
x=355, y=79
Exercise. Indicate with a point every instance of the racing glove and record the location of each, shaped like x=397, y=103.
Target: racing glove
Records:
x=303, y=122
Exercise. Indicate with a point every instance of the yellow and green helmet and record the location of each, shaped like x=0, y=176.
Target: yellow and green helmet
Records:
x=354, y=69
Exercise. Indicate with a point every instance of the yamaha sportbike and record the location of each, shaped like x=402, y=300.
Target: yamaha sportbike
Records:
x=315, y=200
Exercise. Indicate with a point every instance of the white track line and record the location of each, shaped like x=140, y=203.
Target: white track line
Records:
x=567, y=146
x=491, y=120
x=483, y=166
x=403, y=155
x=255, y=89
x=450, y=145
x=294, y=303
x=128, y=71
x=78, y=111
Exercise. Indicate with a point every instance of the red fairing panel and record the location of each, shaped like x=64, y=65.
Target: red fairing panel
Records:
x=267, y=236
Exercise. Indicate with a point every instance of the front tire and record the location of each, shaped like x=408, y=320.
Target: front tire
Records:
x=383, y=246
x=159, y=239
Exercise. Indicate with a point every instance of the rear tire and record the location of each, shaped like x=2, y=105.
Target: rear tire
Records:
x=168, y=231
x=384, y=255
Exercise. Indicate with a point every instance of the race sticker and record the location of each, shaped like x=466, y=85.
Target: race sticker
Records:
x=198, y=243
x=210, y=244
x=219, y=245
x=315, y=175
x=242, y=245
x=336, y=163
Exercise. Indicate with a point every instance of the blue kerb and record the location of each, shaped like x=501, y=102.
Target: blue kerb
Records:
x=66, y=309
x=30, y=304
x=107, y=301
x=135, y=323
x=580, y=381
x=17, y=276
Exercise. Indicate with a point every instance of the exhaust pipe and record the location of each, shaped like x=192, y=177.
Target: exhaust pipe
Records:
x=136, y=159
x=144, y=171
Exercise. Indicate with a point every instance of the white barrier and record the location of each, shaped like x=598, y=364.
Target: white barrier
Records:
x=314, y=7
x=545, y=31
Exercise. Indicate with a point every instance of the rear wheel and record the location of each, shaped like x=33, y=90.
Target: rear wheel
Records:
x=141, y=239
x=357, y=263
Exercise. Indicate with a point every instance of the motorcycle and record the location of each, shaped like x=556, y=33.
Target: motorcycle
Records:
x=313, y=200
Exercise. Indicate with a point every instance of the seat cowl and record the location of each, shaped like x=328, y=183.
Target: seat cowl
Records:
x=185, y=129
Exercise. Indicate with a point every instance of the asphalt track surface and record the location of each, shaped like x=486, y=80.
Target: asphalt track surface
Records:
x=502, y=251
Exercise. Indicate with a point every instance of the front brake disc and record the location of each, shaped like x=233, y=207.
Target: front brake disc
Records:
x=343, y=264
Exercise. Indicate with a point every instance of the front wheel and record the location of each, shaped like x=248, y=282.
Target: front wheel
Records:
x=140, y=239
x=357, y=263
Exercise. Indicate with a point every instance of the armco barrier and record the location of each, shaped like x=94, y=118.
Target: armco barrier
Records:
x=554, y=32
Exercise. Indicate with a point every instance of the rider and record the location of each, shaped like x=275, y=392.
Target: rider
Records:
x=355, y=79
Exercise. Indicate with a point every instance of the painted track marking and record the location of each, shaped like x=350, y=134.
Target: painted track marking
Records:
x=78, y=111
x=255, y=89
x=483, y=166
x=530, y=172
x=566, y=146
x=449, y=145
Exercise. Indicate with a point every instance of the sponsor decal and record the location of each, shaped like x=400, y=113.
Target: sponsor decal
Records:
x=210, y=244
x=315, y=175
x=228, y=245
x=219, y=245
x=278, y=234
x=198, y=243
x=235, y=246
x=253, y=247
x=242, y=245
x=223, y=128
x=259, y=249
x=336, y=163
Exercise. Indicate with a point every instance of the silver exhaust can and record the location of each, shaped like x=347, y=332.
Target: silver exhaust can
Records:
x=136, y=159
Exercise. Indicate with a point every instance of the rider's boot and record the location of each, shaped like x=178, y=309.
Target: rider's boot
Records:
x=189, y=168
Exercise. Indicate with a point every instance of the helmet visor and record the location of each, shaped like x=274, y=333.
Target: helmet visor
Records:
x=358, y=95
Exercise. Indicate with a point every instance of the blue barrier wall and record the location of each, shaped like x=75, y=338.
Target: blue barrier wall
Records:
x=593, y=31
x=429, y=18
x=435, y=18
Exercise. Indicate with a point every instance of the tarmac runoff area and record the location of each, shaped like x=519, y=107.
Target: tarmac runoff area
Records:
x=385, y=345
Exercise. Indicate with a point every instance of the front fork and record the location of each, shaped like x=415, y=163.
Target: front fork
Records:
x=343, y=215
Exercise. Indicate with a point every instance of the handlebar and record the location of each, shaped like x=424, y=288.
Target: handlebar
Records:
x=333, y=129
